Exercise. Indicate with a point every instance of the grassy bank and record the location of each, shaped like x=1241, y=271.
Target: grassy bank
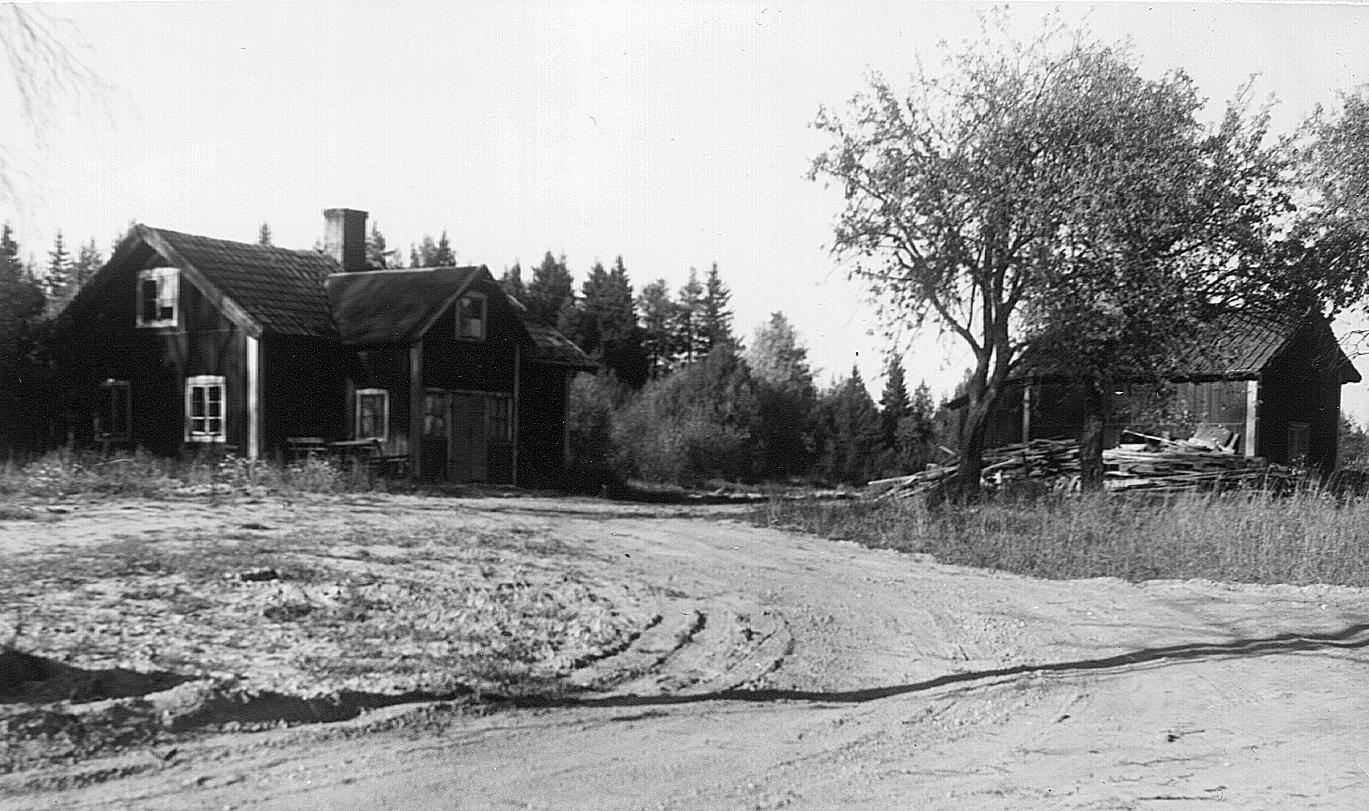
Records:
x=1255, y=538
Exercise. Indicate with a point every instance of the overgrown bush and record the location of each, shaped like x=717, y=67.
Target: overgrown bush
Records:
x=696, y=424
x=595, y=459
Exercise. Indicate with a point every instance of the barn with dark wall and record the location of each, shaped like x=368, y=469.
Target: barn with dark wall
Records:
x=1273, y=383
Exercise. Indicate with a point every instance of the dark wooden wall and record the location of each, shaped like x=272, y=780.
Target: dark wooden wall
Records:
x=542, y=420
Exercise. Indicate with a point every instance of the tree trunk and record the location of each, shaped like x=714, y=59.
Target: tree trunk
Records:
x=1091, y=432
x=965, y=488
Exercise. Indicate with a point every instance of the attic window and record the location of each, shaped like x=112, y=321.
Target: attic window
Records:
x=470, y=317
x=157, y=288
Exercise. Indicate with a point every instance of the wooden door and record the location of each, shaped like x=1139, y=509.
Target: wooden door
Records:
x=436, y=439
x=470, y=448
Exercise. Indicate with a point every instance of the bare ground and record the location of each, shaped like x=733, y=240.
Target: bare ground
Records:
x=761, y=669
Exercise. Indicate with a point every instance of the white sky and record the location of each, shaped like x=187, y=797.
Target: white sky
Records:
x=673, y=135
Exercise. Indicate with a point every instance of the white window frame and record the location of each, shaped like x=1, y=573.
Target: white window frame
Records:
x=206, y=382
x=384, y=413
x=109, y=405
x=168, y=291
x=461, y=317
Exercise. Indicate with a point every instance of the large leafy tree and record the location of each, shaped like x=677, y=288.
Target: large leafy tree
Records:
x=1326, y=240
x=1044, y=200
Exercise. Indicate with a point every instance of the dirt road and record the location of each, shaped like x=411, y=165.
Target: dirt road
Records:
x=791, y=671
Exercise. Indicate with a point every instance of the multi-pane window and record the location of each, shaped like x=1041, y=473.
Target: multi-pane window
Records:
x=470, y=320
x=114, y=416
x=373, y=413
x=499, y=418
x=204, y=408
x=157, y=288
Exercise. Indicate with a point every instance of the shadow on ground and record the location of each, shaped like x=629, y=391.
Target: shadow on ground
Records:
x=1353, y=636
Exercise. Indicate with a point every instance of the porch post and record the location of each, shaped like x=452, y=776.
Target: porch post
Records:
x=253, y=397
x=514, y=417
x=415, y=407
x=1252, y=405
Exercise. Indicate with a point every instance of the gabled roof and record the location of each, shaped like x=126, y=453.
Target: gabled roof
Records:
x=279, y=289
x=397, y=307
x=1247, y=344
x=378, y=307
x=550, y=346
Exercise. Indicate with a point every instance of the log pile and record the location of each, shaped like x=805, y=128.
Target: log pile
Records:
x=1157, y=466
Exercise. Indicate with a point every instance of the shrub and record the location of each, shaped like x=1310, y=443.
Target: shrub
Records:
x=594, y=457
x=696, y=424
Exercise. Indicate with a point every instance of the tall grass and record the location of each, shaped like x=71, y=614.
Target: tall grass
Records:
x=66, y=473
x=1244, y=537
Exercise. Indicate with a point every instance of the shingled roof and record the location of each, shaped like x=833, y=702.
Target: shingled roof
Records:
x=279, y=288
x=1243, y=347
x=550, y=346
x=377, y=307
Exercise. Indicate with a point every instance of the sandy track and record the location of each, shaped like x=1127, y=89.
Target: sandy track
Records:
x=790, y=671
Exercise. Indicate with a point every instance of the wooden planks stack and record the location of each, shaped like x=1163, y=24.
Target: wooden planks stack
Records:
x=1161, y=466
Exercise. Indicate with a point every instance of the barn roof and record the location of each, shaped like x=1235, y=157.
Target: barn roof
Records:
x=1248, y=344
x=278, y=288
x=394, y=306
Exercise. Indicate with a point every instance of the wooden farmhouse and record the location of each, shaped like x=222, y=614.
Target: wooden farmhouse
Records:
x=182, y=343
x=1269, y=388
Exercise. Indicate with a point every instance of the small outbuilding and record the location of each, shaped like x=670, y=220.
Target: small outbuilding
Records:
x=1269, y=387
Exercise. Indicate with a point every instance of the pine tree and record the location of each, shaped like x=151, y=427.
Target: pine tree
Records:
x=715, y=322
x=550, y=290
x=58, y=279
x=658, y=324
x=512, y=282
x=11, y=266
x=893, y=403
x=264, y=235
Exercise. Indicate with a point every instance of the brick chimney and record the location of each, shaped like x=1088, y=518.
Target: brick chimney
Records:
x=344, y=237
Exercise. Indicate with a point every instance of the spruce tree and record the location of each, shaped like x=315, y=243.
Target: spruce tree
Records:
x=689, y=344
x=658, y=325
x=893, y=403
x=378, y=253
x=58, y=278
x=88, y=263
x=512, y=282
x=550, y=290
x=715, y=322
x=264, y=235
x=850, y=431
x=443, y=255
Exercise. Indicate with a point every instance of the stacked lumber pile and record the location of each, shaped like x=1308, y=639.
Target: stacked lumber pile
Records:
x=1157, y=466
